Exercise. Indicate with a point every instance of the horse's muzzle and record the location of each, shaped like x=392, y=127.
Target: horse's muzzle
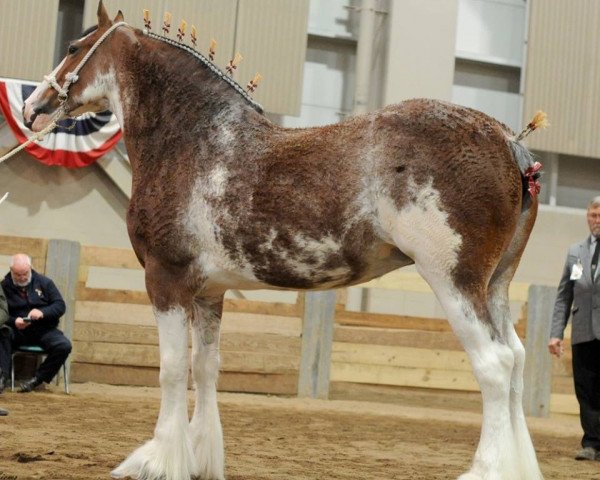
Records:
x=41, y=113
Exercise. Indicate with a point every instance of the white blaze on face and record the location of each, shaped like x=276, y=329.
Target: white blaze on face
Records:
x=36, y=96
x=421, y=229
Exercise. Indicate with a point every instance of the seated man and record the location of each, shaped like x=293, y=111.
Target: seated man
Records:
x=34, y=307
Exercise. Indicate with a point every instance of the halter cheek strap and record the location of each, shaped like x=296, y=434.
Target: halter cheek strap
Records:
x=63, y=91
x=73, y=76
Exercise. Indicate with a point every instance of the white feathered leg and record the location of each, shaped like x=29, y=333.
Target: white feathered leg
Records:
x=206, y=431
x=492, y=360
x=169, y=455
x=499, y=308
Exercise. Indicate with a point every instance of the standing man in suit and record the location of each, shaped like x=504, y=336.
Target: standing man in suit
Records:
x=579, y=294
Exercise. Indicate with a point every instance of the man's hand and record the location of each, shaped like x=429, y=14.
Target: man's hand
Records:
x=555, y=347
x=36, y=314
x=21, y=324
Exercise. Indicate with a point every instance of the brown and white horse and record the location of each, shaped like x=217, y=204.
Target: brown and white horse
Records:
x=223, y=198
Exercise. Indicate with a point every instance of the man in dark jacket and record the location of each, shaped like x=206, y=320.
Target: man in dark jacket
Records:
x=34, y=308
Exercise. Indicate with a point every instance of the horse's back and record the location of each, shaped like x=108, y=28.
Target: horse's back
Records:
x=329, y=206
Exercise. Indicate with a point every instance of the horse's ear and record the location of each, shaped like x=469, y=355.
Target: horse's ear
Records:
x=103, y=20
x=119, y=17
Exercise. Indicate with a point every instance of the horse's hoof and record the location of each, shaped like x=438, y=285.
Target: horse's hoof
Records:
x=154, y=461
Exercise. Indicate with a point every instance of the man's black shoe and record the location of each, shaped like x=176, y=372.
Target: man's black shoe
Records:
x=30, y=385
x=3, y=382
x=3, y=413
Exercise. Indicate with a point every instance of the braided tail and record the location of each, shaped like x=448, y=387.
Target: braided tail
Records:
x=530, y=169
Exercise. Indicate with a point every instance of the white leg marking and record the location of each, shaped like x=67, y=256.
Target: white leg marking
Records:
x=498, y=303
x=496, y=457
x=169, y=455
x=421, y=230
x=205, y=427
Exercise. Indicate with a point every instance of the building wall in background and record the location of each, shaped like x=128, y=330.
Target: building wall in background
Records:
x=421, y=50
x=54, y=202
x=27, y=31
x=330, y=64
x=490, y=41
x=270, y=35
x=563, y=74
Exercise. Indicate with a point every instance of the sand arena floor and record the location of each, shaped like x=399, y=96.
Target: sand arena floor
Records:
x=49, y=435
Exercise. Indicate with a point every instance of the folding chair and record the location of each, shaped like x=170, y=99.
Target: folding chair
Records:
x=35, y=350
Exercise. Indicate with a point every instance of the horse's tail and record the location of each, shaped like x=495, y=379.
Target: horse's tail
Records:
x=529, y=168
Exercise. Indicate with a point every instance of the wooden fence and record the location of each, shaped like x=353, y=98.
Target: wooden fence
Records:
x=115, y=338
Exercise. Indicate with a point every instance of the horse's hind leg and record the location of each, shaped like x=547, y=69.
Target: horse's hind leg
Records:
x=169, y=455
x=480, y=317
x=205, y=427
x=492, y=361
x=498, y=303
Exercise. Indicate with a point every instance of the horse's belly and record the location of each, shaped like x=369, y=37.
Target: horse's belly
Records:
x=307, y=269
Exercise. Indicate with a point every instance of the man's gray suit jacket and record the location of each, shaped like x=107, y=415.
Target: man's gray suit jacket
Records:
x=580, y=297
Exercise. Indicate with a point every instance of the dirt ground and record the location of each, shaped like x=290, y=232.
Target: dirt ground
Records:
x=49, y=435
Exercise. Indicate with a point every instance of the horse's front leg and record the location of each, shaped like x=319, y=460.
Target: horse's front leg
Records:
x=169, y=455
x=206, y=431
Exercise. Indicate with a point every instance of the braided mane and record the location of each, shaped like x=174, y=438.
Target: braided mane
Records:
x=211, y=66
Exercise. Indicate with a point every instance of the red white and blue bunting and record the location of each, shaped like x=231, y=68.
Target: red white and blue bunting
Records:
x=91, y=137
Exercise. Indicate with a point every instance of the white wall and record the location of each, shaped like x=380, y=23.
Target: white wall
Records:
x=503, y=106
x=55, y=202
x=421, y=50
x=491, y=31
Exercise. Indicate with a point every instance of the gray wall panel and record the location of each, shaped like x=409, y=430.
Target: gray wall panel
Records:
x=271, y=36
x=261, y=24
x=563, y=75
x=27, y=35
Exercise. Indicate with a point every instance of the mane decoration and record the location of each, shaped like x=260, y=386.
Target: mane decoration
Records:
x=233, y=63
x=208, y=62
x=193, y=36
x=212, y=50
x=166, y=23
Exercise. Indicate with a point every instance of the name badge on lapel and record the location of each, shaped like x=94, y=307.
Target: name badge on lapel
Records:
x=576, y=270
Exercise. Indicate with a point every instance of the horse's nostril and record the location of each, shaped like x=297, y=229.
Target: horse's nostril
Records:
x=29, y=123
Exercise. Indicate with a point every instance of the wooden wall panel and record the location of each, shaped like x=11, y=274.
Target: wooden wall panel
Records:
x=563, y=75
x=252, y=27
x=27, y=38
x=212, y=18
x=132, y=11
x=271, y=35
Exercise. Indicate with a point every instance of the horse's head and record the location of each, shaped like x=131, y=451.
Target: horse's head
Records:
x=80, y=82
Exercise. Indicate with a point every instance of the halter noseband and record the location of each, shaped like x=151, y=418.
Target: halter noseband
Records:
x=73, y=76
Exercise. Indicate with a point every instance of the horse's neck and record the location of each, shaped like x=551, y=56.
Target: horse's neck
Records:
x=169, y=101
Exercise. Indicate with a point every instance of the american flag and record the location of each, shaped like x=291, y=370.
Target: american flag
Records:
x=92, y=136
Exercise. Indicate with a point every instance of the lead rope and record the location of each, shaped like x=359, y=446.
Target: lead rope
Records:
x=63, y=91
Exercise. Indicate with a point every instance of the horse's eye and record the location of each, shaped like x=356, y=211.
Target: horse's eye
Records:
x=72, y=49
